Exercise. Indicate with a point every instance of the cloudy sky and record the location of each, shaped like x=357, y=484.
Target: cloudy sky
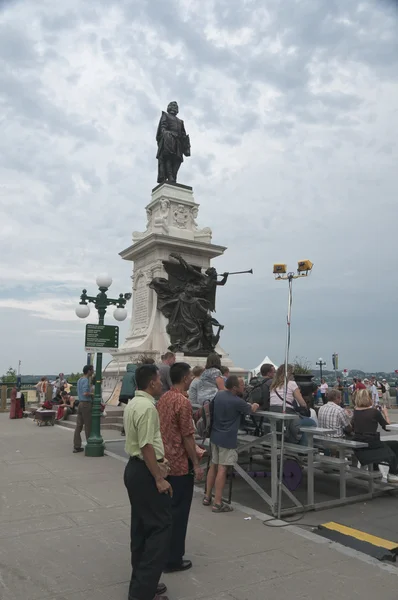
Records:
x=292, y=109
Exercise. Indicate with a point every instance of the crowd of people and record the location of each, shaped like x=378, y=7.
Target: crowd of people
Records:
x=61, y=402
x=380, y=390
x=164, y=458
x=166, y=404
x=362, y=423
x=61, y=398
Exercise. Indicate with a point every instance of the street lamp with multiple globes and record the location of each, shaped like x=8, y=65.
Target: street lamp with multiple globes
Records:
x=321, y=363
x=95, y=443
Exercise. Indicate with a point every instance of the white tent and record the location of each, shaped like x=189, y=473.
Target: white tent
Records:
x=266, y=360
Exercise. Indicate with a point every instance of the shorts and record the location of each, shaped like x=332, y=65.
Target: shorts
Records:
x=226, y=457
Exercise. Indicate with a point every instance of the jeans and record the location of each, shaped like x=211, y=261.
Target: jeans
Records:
x=293, y=434
x=305, y=422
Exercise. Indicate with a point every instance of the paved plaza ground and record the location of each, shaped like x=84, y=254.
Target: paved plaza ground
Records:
x=64, y=531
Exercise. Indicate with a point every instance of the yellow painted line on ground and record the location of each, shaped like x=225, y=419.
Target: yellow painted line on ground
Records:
x=361, y=535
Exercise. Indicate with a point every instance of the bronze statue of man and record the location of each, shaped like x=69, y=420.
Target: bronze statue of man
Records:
x=173, y=144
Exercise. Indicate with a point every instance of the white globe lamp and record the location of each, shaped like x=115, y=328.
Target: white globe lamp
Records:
x=120, y=314
x=82, y=311
x=104, y=280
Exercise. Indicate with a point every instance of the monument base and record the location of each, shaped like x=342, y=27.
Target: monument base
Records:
x=171, y=228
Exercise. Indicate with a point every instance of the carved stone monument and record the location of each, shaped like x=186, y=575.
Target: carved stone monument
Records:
x=171, y=229
x=172, y=237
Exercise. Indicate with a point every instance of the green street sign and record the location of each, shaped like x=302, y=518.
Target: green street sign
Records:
x=101, y=338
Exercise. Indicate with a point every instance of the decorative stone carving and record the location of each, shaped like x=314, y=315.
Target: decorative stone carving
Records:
x=149, y=218
x=138, y=235
x=181, y=216
x=161, y=220
x=141, y=303
x=154, y=268
x=194, y=215
x=206, y=231
x=164, y=208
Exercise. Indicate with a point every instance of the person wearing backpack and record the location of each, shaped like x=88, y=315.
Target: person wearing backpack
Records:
x=127, y=391
x=227, y=409
x=260, y=392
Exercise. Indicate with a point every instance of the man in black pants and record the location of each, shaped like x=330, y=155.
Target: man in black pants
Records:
x=178, y=434
x=149, y=492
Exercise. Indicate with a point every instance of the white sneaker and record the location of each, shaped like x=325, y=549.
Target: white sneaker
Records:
x=392, y=478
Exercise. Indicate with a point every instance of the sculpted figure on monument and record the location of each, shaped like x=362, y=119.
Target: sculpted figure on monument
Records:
x=181, y=216
x=173, y=144
x=187, y=300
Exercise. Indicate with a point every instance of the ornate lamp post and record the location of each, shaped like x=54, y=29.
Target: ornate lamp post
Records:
x=321, y=363
x=95, y=443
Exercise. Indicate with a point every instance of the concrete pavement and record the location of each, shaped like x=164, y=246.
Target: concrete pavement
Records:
x=64, y=535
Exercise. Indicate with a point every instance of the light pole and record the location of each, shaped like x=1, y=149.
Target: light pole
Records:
x=321, y=363
x=304, y=268
x=95, y=443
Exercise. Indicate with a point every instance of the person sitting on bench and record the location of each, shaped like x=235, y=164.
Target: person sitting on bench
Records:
x=366, y=420
x=295, y=404
x=332, y=416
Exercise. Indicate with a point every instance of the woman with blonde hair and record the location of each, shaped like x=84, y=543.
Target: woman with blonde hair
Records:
x=295, y=404
x=365, y=421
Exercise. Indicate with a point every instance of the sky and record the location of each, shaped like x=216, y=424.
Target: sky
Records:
x=292, y=111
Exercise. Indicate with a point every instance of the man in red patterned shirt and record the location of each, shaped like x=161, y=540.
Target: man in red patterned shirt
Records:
x=178, y=434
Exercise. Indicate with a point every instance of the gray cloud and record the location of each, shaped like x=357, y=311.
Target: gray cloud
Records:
x=291, y=108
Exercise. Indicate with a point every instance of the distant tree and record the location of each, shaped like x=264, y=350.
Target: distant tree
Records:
x=10, y=376
x=73, y=377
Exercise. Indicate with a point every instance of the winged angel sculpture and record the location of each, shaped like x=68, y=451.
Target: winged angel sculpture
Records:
x=187, y=299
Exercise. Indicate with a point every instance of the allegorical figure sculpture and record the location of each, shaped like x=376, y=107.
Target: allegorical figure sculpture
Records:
x=187, y=300
x=173, y=144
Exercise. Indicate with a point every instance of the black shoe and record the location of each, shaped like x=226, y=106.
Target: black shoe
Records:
x=183, y=566
x=75, y=450
x=161, y=589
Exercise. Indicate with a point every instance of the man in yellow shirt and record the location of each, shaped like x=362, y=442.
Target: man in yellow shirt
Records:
x=149, y=492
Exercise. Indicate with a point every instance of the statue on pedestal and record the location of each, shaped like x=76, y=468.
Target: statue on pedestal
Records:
x=187, y=300
x=173, y=144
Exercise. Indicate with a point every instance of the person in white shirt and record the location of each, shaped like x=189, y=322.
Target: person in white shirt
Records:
x=294, y=400
x=324, y=391
x=375, y=394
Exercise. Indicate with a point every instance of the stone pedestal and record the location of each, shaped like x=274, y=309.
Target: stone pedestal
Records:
x=171, y=227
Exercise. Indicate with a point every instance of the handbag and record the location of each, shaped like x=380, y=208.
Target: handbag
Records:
x=301, y=411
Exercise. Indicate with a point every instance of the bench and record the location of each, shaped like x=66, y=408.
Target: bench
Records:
x=265, y=446
x=45, y=417
x=341, y=464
